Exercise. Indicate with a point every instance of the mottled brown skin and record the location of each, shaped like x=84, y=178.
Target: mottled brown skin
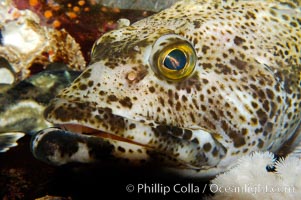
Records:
x=244, y=94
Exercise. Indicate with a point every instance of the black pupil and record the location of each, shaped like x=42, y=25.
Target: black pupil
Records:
x=1, y=38
x=175, y=60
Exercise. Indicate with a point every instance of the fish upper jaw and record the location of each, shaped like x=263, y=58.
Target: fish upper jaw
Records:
x=194, y=149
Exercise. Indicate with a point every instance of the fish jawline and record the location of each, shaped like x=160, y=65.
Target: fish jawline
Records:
x=84, y=130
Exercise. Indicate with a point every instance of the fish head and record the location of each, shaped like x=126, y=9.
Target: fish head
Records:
x=190, y=91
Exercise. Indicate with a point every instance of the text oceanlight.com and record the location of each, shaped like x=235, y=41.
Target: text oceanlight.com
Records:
x=191, y=188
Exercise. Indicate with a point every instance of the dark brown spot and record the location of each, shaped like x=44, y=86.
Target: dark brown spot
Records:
x=170, y=93
x=273, y=12
x=266, y=106
x=195, y=140
x=237, y=138
x=224, y=69
x=258, y=130
x=207, y=147
x=187, y=135
x=82, y=87
x=207, y=66
x=192, y=116
x=269, y=127
x=254, y=104
x=299, y=21
x=177, y=132
x=170, y=102
x=202, y=97
x=209, y=123
x=102, y=93
x=294, y=24
x=121, y=149
x=224, y=125
x=238, y=40
x=132, y=126
x=112, y=98
x=262, y=116
x=214, y=115
x=245, y=151
x=196, y=24
x=90, y=83
x=178, y=106
x=244, y=131
x=215, y=152
x=231, y=51
x=250, y=15
x=205, y=49
x=86, y=74
x=260, y=143
x=161, y=101
x=126, y=102
x=261, y=94
x=152, y=89
x=205, y=81
x=270, y=93
x=238, y=63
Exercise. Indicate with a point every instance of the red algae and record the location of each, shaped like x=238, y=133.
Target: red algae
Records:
x=84, y=20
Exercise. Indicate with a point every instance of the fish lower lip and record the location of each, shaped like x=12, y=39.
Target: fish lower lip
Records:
x=80, y=129
x=166, y=142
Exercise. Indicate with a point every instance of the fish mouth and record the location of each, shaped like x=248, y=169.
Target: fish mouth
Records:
x=102, y=123
x=99, y=130
x=85, y=130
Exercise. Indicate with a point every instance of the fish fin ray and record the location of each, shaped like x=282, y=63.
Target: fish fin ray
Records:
x=9, y=140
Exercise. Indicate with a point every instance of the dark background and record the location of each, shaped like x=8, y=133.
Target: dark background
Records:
x=24, y=177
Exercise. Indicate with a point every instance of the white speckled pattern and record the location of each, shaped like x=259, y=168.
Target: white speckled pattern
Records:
x=243, y=96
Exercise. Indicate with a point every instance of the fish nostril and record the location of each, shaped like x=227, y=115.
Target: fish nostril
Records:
x=131, y=76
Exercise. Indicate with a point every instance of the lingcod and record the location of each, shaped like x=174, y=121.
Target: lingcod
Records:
x=193, y=88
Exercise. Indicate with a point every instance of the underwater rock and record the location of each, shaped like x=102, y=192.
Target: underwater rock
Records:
x=7, y=75
x=84, y=20
x=25, y=43
x=152, y=5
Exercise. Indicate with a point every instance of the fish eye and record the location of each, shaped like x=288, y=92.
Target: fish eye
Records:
x=173, y=57
x=175, y=60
